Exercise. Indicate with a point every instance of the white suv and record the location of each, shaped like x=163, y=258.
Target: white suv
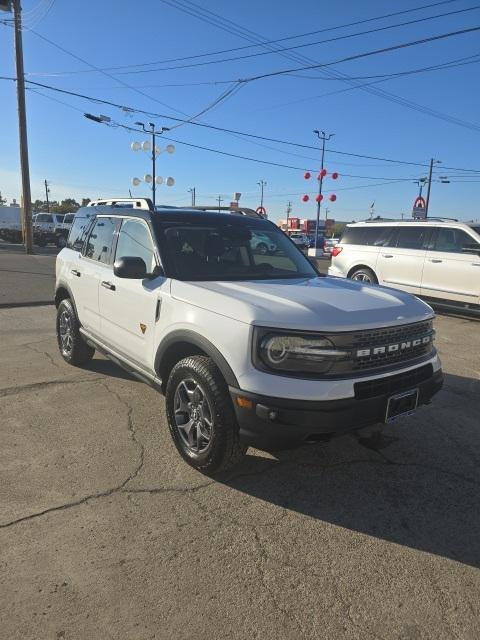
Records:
x=248, y=348
x=437, y=259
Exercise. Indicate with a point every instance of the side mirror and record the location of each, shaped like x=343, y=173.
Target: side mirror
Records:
x=130, y=267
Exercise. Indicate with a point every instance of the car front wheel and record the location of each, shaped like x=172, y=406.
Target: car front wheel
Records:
x=73, y=348
x=200, y=416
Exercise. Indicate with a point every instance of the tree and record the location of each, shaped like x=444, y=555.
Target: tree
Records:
x=85, y=201
x=69, y=205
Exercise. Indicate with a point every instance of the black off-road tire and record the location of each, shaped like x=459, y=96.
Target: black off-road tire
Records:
x=75, y=350
x=224, y=450
x=364, y=274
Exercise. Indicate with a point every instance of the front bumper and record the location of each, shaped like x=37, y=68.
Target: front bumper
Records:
x=277, y=422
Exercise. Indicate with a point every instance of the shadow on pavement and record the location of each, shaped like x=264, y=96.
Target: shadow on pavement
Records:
x=108, y=368
x=421, y=492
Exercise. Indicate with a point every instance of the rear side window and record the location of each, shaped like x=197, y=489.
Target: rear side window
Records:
x=78, y=230
x=99, y=243
x=368, y=236
x=412, y=237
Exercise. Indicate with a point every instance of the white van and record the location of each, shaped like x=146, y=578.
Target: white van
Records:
x=437, y=259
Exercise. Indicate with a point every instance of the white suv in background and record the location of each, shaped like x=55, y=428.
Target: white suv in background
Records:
x=437, y=259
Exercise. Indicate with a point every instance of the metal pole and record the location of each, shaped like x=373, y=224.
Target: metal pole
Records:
x=289, y=208
x=153, y=164
x=22, y=130
x=219, y=201
x=46, y=195
x=429, y=186
x=320, y=183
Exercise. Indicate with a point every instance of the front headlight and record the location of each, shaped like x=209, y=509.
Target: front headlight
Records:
x=296, y=353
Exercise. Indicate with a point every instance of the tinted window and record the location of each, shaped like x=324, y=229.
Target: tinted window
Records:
x=476, y=229
x=453, y=240
x=374, y=236
x=76, y=237
x=223, y=251
x=99, y=243
x=47, y=218
x=59, y=217
x=134, y=240
x=68, y=218
x=412, y=237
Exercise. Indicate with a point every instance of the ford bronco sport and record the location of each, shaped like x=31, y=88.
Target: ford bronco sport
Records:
x=249, y=349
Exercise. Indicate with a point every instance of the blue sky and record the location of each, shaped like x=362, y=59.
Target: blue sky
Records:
x=82, y=158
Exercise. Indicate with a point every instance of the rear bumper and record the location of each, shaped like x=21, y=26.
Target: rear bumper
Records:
x=276, y=422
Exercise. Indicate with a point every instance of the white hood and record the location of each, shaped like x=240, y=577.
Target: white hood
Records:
x=326, y=304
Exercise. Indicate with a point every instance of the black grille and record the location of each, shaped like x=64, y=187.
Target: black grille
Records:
x=392, y=384
x=393, y=335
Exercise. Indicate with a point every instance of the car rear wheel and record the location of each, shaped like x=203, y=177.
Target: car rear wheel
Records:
x=200, y=416
x=363, y=274
x=73, y=348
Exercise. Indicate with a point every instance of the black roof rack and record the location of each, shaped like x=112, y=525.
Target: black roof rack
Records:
x=430, y=218
x=243, y=211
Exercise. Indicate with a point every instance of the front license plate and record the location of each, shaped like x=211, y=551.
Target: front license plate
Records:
x=402, y=404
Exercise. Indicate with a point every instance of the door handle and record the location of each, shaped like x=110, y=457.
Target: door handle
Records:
x=387, y=255
x=435, y=260
x=75, y=272
x=108, y=285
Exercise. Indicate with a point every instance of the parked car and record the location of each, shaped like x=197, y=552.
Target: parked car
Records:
x=320, y=241
x=329, y=244
x=48, y=227
x=262, y=243
x=437, y=259
x=300, y=239
x=248, y=349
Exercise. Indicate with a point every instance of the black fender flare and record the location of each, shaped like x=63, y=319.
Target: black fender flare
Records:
x=64, y=285
x=192, y=337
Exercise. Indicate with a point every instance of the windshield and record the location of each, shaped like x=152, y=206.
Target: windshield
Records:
x=224, y=250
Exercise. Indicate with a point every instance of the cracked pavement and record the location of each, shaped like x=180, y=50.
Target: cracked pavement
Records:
x=106, y=533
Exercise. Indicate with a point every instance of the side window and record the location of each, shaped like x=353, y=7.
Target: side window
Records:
x=352, y=235
x=47, y=218
x=134, y=240
x=412, y=237
x=40, y=218
x=454, y=241
x=99, y=243
x=76, y=237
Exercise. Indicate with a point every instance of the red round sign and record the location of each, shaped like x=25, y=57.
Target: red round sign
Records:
x=261, y=210
x=420, y=203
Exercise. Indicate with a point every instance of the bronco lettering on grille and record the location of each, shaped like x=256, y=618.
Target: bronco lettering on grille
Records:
x=392, y=348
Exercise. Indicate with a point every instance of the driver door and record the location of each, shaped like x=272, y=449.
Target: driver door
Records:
x=130, y=308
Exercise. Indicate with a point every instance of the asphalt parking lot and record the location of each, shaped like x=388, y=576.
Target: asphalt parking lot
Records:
x=106, y=533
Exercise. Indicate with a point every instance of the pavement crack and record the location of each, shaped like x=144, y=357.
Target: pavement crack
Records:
x=38, y=386
x=98, y=494
x=43, y=353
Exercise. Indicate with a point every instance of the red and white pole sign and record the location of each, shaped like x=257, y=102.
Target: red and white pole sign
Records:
x=261, y=211
x=419, y=208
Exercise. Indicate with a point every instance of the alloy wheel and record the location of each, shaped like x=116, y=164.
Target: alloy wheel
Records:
x=193, y=416
x=65, y=329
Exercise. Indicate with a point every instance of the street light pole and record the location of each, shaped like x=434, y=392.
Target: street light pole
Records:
x=192, y=191
x=261, y=184
x=22, y=130
x=153, y=133
x=219, y=200
x=323, y=137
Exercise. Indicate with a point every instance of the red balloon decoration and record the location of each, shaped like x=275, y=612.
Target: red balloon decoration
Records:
x=307, y=175
x=305, y=198
x=334, y=175
x=323, y=173
x=319, y=198
x=333, y=197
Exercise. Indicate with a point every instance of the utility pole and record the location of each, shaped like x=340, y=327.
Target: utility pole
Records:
x=192, y=191
x=22, y=130
x=289, y=211
x=219, y=200
x=432, y=162
x=47, y=191
x=261, y=184
x=323, y=137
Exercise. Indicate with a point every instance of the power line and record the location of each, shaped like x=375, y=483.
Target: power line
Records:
x=249, y=35
x=277, y=40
